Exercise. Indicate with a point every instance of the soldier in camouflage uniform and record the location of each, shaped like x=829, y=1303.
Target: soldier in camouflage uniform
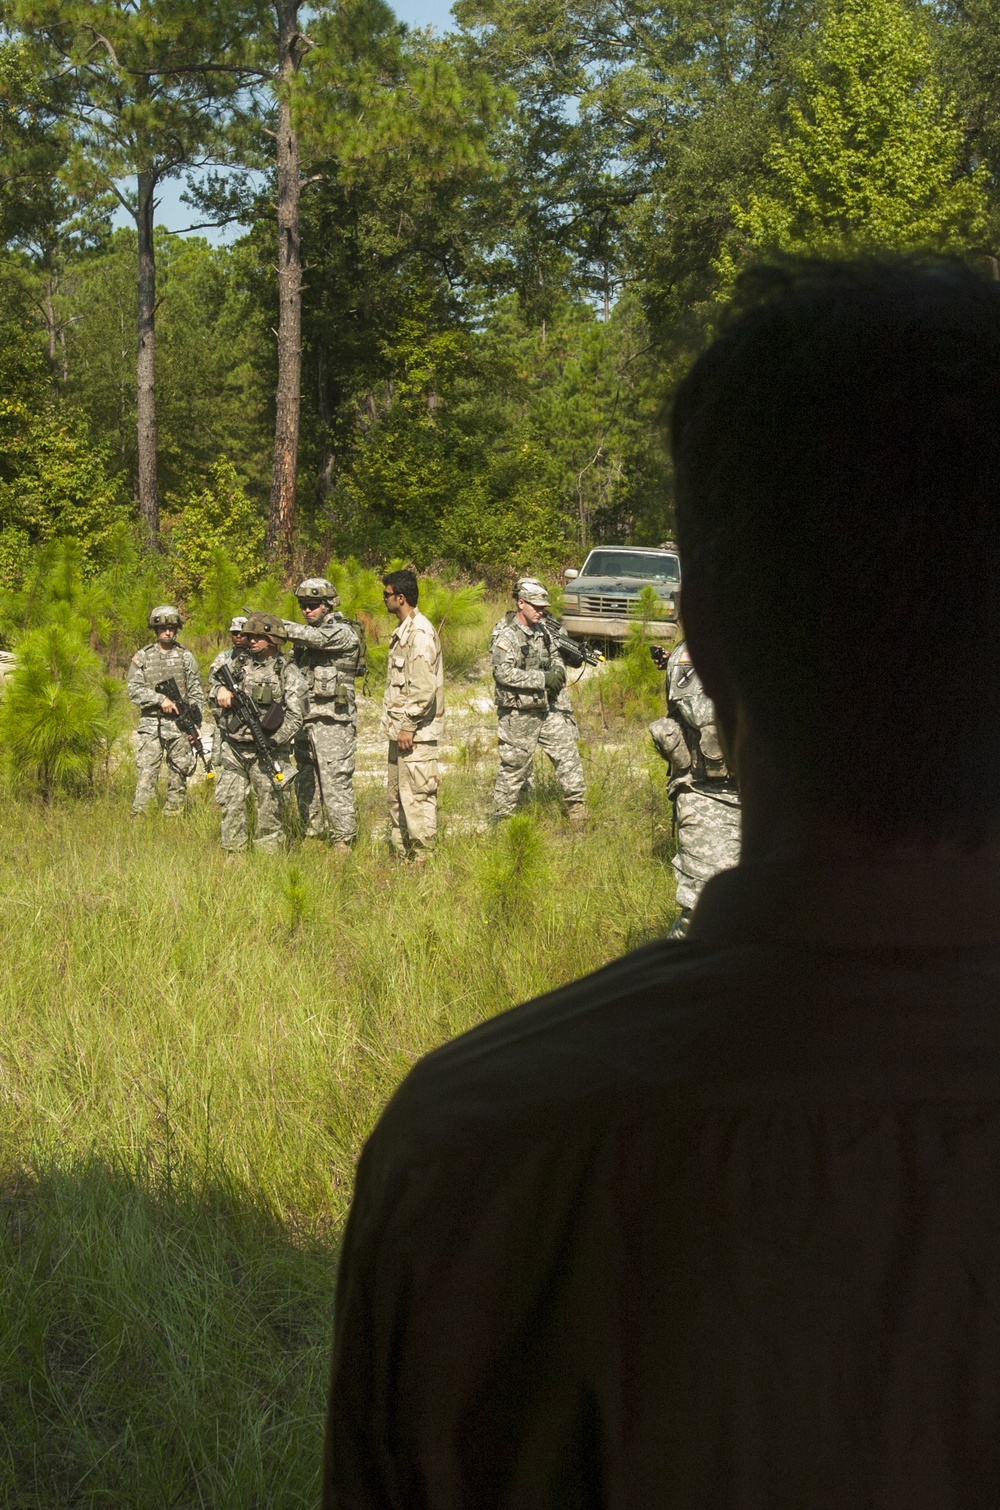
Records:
x=530, y=653
x=159, y=736
x=704, y=792
x=278, y=688
x=233, y=657
x=328, y=651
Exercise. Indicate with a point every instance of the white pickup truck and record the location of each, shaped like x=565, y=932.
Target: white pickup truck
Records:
x=600, y=600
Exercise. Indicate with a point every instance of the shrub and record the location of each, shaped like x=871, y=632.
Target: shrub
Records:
x=59, y=715
x=212, y=609
x=514, y=871
x=221, y=517
x=54, y=481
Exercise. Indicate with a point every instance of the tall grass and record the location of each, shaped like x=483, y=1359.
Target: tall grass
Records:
x=192, y=1052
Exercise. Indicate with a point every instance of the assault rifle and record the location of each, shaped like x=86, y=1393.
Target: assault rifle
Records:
x=591, y=656
x=246, y=711
x=188, y=718
x=586, y=652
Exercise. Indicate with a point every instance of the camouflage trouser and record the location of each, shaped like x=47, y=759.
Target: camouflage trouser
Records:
x=519, y=733
x=411, y=793
x=153, y=746
x=236, y=777
x=325, y=753
x=708, y=839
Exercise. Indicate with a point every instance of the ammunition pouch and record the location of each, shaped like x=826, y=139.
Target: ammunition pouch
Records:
x=711, y=753
x=272, y=717
x=325, y=681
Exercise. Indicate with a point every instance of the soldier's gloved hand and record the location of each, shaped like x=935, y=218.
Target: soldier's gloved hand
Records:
x=555, y=678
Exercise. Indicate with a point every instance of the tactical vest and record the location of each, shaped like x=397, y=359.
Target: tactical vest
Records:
x=692, y=710
x=158, y=666
x=538, y=650
x=331, y=674
x=264, y=681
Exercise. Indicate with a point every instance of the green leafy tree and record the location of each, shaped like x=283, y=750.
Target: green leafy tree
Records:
x=54, y=479
x=872, y=153
x=220, y=517
x=31, y=150
x=211, y=356
x=356, y=104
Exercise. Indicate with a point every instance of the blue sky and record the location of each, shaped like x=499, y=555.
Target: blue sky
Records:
x=177, y=216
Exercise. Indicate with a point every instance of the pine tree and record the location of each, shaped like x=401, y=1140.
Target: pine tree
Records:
x=871, y=155
x=56, y=716
x=213, y=609
x=144, y=89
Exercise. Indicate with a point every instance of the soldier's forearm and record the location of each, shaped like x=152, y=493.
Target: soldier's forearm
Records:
x=146, y=701
x=332, y=637
x=303, y=634
x=516, y=680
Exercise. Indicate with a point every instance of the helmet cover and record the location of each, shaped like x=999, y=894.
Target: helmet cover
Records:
x=317, y=590
x=164, y=617
x=530, y=590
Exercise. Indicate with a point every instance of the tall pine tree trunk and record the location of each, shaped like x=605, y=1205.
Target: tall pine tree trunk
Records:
x=149, y=510
x=281, y=515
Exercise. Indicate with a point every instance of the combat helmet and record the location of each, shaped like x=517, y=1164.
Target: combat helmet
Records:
x=238, y=625
x=164, y=617
x=530, y=590
x=265, y=625
x=317, y=590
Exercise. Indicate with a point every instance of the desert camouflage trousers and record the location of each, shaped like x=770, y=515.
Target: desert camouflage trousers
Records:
x=411, y=795
x=154, y=746
x=236, y=777
x=520, y=733
x=325, y=755
x=708, y=839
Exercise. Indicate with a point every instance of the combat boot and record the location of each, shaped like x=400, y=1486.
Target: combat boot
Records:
x=680, y=924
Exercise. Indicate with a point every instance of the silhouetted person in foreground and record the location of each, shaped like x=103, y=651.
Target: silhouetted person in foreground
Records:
x=719, y=1226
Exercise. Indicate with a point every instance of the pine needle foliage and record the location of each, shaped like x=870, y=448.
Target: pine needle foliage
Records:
x=450, y=608
x=56, y=716
x=212, y=609
x=514, y=870
x=360, y=591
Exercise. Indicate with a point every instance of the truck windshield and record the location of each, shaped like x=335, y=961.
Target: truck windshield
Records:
x=632, y=564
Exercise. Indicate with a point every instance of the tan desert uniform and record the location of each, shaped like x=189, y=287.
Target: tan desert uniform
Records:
x=414, y=699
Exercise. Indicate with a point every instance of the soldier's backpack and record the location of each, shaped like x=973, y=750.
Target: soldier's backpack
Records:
x=361, y=668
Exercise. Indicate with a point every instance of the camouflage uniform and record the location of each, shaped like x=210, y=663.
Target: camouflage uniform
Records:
x=328, y=655
x=414, y=700
x=704, y=792
x=159, y=735
x=267, y=680
x=528, y=718
x=234, y=659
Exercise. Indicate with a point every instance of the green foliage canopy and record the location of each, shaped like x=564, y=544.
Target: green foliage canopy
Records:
x=871, y=153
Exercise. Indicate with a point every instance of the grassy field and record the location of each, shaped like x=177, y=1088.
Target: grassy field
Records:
x=192, y=1053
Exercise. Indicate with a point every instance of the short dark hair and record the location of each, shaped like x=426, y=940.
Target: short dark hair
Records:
x=403, y=583
x=837, y=454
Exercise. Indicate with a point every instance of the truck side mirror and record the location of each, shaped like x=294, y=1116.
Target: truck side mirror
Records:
x=570, y=573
